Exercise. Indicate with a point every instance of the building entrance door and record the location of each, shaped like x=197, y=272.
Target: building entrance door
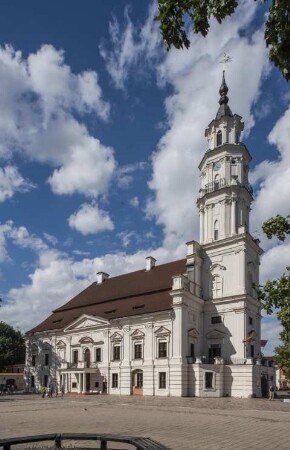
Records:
x=264, y=386
x=88, y=382
x=213, y=351
x=137, y=382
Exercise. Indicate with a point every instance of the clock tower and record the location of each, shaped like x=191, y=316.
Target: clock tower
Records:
x=230, y=254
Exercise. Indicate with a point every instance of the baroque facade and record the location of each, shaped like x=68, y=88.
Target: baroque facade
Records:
x=186, y=328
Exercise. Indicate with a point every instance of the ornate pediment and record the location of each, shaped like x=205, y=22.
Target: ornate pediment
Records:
x=116, y=337
x=60, y=344
x=86, y=340
x=193, y=333
x=86, y=321
x=162, y=331
x=215, y=334
x=137, y=334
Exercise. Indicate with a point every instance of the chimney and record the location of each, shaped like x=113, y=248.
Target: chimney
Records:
x=102, y=276
x=150, y=263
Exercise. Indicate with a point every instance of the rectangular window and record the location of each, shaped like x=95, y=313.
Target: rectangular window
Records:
x=116, y=353
x=33, y=362
x=252, y=351
x=250, y=320
x=45, y=381
x=75, y=356
x=74, y=385
x=114, y=380
x=208, y=380
x=138, y=351
x=98, y=355
x=32, y=382
x=216, y=319
x=192, y=351
x=162, y=349
x=97, y=384
x=46, y=359
x=162, y=380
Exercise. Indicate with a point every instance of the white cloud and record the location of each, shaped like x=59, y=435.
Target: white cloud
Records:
x=195, y=76
x=273, y=180
x=11, y=182
x=57, y=278
x=89, y=219
x=130, y=47
x=40, y=96
x=134, y=201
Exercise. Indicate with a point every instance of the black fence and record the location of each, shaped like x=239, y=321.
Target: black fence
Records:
x=139, y=443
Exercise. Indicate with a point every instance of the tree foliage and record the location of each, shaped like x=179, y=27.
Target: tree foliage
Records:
x=12, y=346
x=275, y=294
x=176, y=15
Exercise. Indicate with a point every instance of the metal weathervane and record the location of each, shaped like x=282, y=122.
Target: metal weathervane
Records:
x=225, y=60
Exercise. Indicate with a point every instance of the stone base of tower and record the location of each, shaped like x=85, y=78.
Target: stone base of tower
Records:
x=219, y=380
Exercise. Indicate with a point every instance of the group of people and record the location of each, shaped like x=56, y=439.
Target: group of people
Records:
x=51, y=390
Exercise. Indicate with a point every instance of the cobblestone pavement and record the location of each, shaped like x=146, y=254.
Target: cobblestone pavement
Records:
x=179, y=423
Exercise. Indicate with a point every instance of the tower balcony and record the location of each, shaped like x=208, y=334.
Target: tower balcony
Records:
x=215, y=185
x=220, y=183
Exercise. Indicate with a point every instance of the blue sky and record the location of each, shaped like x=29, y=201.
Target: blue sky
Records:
x=101, y=133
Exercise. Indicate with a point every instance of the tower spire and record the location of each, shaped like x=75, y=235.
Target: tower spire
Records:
x=224, y=109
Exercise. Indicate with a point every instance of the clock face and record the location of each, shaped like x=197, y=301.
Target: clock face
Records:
x=216, y=165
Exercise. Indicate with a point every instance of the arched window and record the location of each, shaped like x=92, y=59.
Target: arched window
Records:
x=219, y=138
x=237, y=137
x=216, y=230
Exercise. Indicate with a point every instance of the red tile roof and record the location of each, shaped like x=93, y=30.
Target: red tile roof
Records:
x=131, y=294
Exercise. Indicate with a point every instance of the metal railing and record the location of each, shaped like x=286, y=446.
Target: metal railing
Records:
x=79, y=365
x=139, y=443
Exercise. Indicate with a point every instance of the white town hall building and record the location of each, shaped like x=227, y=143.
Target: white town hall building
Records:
x=186, y=328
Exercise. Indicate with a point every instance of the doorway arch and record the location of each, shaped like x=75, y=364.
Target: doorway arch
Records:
x=87, y=357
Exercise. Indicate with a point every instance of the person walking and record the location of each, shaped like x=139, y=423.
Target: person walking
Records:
x=43, y=391
x=271, y=392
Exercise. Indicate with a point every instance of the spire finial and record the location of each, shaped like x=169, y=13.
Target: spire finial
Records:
x=224, y=109
x=223, y=91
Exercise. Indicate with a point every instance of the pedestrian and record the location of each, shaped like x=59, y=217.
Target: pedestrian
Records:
x=43, y=391
x=62, y=390
x=271, y=392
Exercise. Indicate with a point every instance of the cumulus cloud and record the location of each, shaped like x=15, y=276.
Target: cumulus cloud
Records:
x=40, y=96
x=272, y=178
x=130, y=46
x=195, y=76
x=89, y=219
x=11, y=181
x=57, y=278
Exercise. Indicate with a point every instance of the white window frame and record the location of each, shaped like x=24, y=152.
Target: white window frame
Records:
x=162, y=341
x=142, y=350
x=101, y=354
x=115, y=345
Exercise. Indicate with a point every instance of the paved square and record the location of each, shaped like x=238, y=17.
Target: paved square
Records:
x=179, y=423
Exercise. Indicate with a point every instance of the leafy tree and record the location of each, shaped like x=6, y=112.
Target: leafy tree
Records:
x=174, y=16
x=12, y=346
x=275, y=294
